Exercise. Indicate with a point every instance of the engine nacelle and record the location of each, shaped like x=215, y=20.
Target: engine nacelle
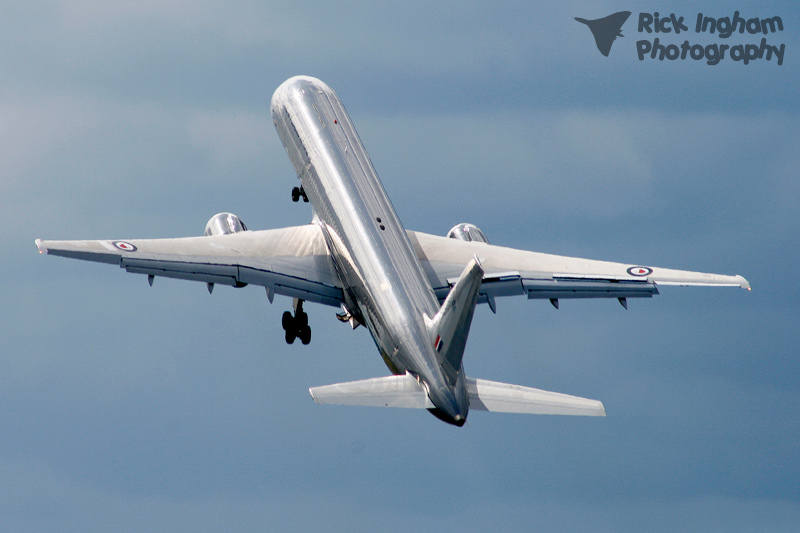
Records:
x=224, y=224
x=467, y=232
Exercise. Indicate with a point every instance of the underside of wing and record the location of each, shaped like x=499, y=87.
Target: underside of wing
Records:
x=510, y=272
x=290, y=261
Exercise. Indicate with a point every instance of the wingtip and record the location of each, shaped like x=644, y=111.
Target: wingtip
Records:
x=743, y=283
x=40, y=245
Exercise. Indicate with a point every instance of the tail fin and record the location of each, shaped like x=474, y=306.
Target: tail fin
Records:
x=450, y=327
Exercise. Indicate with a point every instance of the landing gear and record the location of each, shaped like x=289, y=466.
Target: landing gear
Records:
x=297, y=193
x=296, y=325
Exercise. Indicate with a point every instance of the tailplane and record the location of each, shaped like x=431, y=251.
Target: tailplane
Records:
x=499, y=397
x=406, y=391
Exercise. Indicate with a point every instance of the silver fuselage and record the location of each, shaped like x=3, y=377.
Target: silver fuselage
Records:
x=385, y=287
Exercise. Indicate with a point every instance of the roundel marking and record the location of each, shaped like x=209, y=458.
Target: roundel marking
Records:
x=640, y=271
x=124, y=246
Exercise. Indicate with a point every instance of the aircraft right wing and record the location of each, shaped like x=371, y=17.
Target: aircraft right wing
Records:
x=509, y=272
x=290, y=261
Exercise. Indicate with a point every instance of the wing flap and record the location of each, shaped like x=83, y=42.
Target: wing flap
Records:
x=583, y=288
x=194, y=271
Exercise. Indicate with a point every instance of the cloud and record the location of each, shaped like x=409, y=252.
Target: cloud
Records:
x=585, y=164
x=231, y=137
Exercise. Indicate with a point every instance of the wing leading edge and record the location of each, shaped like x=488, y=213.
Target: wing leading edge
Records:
x=510, y=272
x=291, y=261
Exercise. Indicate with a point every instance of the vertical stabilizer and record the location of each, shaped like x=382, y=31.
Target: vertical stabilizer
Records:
x=450, y=327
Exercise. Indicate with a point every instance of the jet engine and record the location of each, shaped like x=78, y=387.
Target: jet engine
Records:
x=224, y=224
x=467, y=232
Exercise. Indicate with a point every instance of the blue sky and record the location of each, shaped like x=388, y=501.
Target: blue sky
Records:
x=130, y=408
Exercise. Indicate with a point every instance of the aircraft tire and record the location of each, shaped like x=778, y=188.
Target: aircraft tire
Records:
x=305, y=334
x=287, y=321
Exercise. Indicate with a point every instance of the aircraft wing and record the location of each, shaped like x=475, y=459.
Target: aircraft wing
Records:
x=290, y=261
x=509, y=272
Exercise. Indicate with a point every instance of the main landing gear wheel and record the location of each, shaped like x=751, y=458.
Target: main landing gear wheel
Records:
x=296, y=325
x=297, y=193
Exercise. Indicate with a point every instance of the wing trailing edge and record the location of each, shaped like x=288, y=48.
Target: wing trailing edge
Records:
x=406, y=391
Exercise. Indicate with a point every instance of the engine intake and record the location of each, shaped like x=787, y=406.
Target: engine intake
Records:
x=224, y=224
x=467, y=232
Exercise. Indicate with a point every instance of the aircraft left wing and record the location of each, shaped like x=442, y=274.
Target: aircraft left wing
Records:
x=290, y=261
x=509, y=272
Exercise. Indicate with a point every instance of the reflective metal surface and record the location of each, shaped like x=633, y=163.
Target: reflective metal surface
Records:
x=224, y=224
x=384, y=284
x=467, y=232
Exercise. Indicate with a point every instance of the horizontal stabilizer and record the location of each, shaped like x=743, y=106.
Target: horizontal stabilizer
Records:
x=390, y=391
x=487, y=395
x=406, y=391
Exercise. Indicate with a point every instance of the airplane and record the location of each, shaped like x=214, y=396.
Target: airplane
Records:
x=416, y=293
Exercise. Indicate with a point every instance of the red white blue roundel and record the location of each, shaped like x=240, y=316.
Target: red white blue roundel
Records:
x=124, y=246
x=640, y=271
